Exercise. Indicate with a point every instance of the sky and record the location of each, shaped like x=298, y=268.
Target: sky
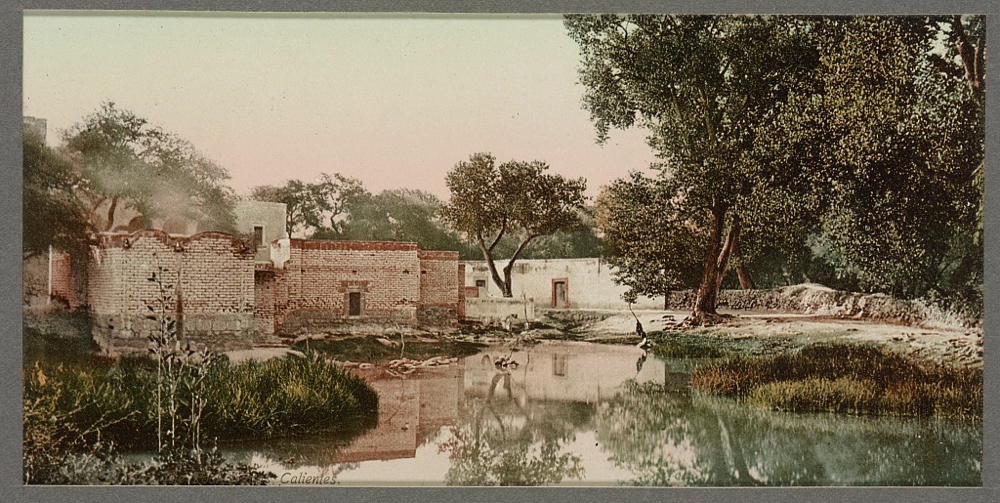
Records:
x=393, y=100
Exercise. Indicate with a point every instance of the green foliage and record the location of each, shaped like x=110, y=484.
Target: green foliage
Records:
x=281, y=397
x=127, y=161
x=316, y=209
x=402, y=215
x=847, y=151
x=517, y=198
x=52, y=211
x=682, y=345
x=653, y=245
x=705, y=87
x=172, y=399
x=849, y=379
x=899, y=151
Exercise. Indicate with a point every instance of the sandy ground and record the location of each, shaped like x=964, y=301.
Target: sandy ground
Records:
x=948, y=346
x=755, y=332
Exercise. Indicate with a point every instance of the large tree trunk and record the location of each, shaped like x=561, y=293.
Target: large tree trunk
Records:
x=497, y=280
x=746, y=281
x=728, y=250
x=708, y=292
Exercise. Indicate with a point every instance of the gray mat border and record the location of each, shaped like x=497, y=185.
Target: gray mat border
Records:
x=10, y=273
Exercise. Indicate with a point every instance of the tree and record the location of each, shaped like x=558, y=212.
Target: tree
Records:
x=654, y=247
x=704, y=86
x=895, y=130
x=129, y=162
x=401, y=215
x=310, y=206
x=53, y=214
x=516, y=198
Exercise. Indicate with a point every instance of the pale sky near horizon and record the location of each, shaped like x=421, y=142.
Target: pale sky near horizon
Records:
x=393, y=100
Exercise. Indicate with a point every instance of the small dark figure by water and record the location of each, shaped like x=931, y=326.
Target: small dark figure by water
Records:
x=644, y=344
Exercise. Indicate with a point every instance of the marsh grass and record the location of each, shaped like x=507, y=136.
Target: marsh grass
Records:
x=680, y=345
x=855, y=379
x=276, y=398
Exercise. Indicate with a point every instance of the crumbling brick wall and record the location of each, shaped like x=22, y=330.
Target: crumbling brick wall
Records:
x=439, y=288
x=62, y=287
x=313, y=289
x=209, y=278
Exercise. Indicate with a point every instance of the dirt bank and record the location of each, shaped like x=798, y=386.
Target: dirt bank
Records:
x=758, y=333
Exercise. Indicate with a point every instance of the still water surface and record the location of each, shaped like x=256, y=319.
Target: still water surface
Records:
x=574, y=413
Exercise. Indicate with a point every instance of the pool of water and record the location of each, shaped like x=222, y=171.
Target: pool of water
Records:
x=572, y=413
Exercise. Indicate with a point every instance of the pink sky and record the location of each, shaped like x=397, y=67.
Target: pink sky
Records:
x=395, y=101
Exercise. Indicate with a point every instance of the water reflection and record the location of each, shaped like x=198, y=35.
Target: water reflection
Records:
x=684, y=439
x=572, y=413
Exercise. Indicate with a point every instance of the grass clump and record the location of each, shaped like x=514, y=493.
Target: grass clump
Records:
x=77, y=411
x=680, y=345
x=252, y=400
x=855, y=379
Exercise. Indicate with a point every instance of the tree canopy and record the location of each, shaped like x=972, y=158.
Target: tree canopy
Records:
x=515, y=198
x=401, y=215
x=129, y=162
x=704, y=87
x=314, y=209
x=653, y=244
x=848, y=149
x=53, y=213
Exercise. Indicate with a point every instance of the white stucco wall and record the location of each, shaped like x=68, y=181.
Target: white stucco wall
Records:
x=490, y=309
x=270, y=216
x=589, y=283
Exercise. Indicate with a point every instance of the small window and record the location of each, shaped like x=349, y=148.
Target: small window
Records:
x=258, y=236
x=481, y=283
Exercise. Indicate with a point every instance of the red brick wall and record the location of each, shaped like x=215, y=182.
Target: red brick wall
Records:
x=61, y=278
x=210, y=277
x=439, y=287
x=315, y=282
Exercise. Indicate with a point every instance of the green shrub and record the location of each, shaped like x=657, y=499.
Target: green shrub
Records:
x=857, y=379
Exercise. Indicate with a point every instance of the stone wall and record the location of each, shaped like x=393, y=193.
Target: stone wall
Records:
x=209, y=283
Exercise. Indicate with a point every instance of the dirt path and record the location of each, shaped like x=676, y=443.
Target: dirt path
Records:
x=941, y=345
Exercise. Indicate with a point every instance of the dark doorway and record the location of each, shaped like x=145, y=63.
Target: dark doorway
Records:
x=354, y=304
x=560, y=293
x=258, y=236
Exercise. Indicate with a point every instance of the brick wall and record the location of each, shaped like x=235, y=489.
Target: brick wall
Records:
x=62, y=288
x=315, y=283
x=209, y=277
x=439, y=288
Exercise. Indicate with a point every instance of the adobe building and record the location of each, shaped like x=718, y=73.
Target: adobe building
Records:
x=229, y=293
x=579, y=283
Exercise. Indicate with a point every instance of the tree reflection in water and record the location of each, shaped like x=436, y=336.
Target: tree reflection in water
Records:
x=508, y=440
x=690, y=439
